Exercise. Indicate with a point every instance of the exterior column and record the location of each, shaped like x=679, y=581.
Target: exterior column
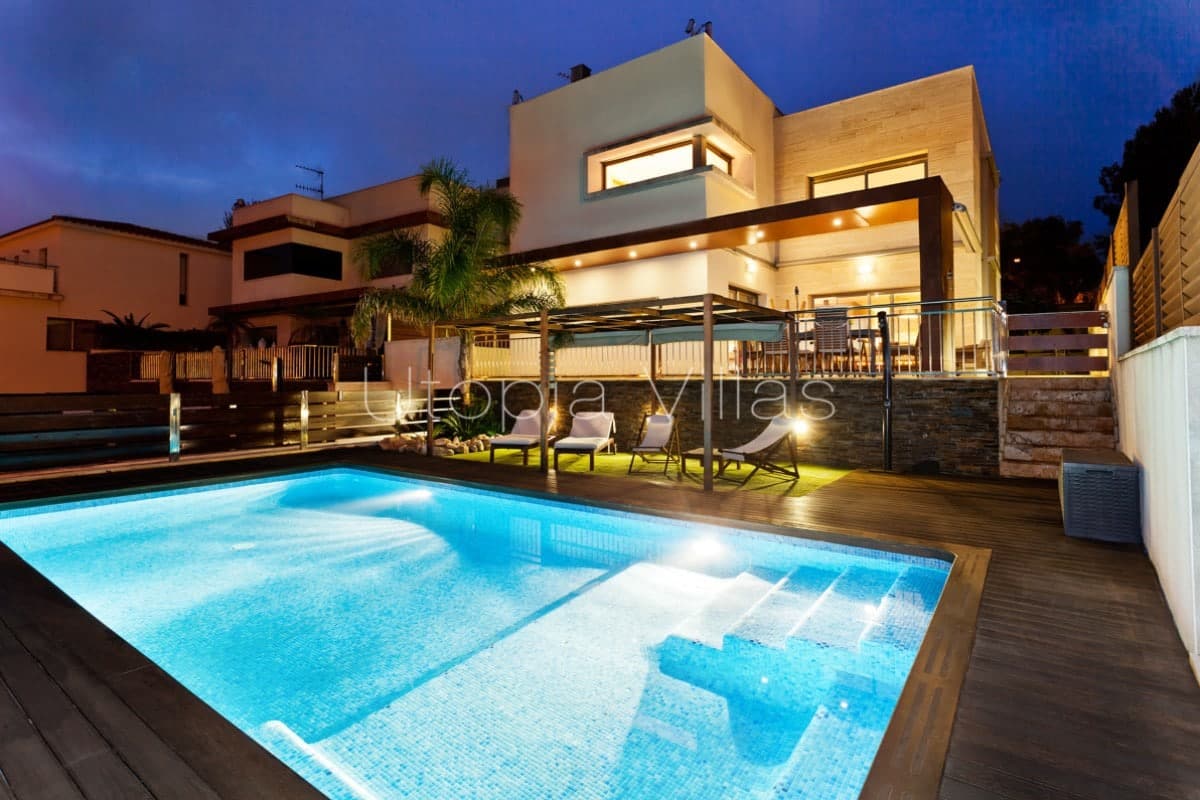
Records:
x=935, y=209
x=429, y=392
x=706, y=393
x=789, y=337
x=544, y=391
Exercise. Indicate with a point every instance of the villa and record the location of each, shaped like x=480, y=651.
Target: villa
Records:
x=672, y=175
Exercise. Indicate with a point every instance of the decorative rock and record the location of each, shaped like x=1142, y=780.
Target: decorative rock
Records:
x=441, y=450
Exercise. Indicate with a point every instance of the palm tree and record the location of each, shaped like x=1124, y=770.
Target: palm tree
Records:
x=458, y=275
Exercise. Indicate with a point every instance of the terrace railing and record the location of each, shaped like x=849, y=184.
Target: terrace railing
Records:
x=966, y=336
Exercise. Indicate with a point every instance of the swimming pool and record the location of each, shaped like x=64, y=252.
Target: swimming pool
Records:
x=394, y=637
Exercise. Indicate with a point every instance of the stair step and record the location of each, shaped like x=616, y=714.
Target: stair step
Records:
x=1061, y=395
x=1057, y=438
x=1031, y=455
x=1028, y=469
x=1040, y=408
x=1024, y=383
x=708, y=625
x=1081, y=424
x=772, y=618
x=905, y=611
x=850, y=606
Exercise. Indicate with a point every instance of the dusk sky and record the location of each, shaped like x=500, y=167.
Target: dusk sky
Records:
x=163, y=113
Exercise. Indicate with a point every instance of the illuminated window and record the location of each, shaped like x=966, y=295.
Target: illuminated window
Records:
x=871, y=177
x=662, y=161
x=647, y=166
x=718, y=160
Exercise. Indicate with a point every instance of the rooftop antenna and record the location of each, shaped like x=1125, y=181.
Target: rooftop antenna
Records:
x=692, y=29
x=319, y=189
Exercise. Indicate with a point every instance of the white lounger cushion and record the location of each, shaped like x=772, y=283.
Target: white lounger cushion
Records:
x=515, y=440
x=581, y=444
x=778, y=428
x=527, y=423
x=590, y=432
x=591, y=425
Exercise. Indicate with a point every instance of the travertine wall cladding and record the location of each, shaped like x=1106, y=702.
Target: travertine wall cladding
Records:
x=948, y=425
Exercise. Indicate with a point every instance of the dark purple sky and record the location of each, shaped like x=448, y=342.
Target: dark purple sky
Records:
x=161, y=113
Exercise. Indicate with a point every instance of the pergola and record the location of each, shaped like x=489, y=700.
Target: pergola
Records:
x=707, y=317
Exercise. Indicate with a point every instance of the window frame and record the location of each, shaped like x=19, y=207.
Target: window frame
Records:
x=865, y=172
x=75, y=345
x=183, y=278
x=604, y=165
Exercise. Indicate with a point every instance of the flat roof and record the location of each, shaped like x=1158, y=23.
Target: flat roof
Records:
x=629, y=315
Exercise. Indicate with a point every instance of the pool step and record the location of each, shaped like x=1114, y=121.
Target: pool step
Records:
x=850, y=606
x=903, y=617
x=707, y=626
x=774, y=617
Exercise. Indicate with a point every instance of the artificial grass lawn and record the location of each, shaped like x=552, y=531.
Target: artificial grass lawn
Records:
x=811, y=477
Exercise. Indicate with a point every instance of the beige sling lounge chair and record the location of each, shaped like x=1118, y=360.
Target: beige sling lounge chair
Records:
x=657, y=437
x=762, y=450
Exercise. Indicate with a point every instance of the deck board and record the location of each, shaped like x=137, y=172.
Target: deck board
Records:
x=1078, y=685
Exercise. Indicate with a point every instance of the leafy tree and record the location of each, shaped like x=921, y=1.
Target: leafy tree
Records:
x=1155, y=157
x=1047, y=265
x=460, y=273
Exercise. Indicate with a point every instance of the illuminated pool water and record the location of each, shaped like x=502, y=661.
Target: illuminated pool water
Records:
x=390, y=637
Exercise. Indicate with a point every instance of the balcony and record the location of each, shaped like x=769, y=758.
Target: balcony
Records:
x=21, y=279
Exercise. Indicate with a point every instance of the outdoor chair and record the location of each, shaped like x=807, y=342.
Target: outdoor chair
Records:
x=761, y=452
x=591, y=432
x=526, y=433
x=656, y=437
x=831, y=336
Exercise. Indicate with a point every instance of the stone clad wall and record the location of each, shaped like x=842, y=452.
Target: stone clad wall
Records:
x=947, y=425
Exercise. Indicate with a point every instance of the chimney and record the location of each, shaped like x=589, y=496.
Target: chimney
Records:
x=579, y=72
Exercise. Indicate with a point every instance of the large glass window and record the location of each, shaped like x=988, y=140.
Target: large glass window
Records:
x=647, y=166
x=292, y=259
x=70, y=334
x=871, y=177
x=663, y=161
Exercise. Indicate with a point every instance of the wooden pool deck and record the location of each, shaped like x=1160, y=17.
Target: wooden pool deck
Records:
x=1078, y=684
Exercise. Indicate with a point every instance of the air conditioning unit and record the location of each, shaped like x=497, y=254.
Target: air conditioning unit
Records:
x=1101, y=496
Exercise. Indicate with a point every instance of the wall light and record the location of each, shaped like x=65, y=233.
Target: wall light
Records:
x=760, y=234
x=837, y=222
x=633, y=253
x=693, y=244
x=799, y=427
x=866, y=265
x=579, y=262
x=751, y=267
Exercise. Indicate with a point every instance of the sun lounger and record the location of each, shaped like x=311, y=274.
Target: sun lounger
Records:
x=591, y=432
x=762, y=451
x=526, y=433
x=657, y=437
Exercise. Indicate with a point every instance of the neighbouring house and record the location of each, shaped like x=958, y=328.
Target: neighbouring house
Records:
x=294, y=278
x=674, y=174
x=58, y=276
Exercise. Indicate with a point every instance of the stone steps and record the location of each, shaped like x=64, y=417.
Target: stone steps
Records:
x=1044, y=416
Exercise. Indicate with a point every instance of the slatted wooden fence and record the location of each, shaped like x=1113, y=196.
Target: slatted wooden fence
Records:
x=46, y=430
x=1166, y=279
x=1071, y=342
x=60, y=430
